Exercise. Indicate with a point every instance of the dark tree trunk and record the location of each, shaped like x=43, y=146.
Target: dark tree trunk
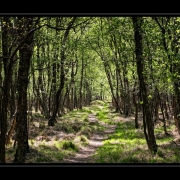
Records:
x=58, y=98
x=177, y=106
x=25, y=53
x=74, y=68
x=111, y=87
x=135, y=102
x=81, y=84
x=5, y=89
x=151, y=141
x=165, y=107
x=164, y=120
x=75, y=98
x=156, y=106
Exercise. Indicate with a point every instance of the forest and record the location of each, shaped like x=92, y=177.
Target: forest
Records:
x=69, y=85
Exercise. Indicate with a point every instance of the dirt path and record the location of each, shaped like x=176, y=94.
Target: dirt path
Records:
x=85, y=153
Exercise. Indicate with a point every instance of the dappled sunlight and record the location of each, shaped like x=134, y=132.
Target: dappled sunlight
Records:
x=80, y=86
x=99, y=137
x=128, y=145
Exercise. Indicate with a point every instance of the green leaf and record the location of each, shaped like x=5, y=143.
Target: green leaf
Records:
x=140, y=102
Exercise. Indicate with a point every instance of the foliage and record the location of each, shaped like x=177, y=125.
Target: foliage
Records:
x=106, y=47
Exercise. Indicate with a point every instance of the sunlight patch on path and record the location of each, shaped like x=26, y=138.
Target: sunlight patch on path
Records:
x=85, y=153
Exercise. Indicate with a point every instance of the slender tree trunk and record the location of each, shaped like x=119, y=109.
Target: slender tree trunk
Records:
x=177, y=106
x=58, y=97
x=111, y=86
x=164, y=120
x=165, y=107
x=8, y=64
x=136, y=106
x=81, y=84
x=172, y=54
x=151, y=141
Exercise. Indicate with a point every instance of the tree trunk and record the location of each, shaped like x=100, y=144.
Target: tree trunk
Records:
x=8, y=64
x=151, y=141
x=25, y=53
x=58, y=99
x=135, y=102
x=81, y=84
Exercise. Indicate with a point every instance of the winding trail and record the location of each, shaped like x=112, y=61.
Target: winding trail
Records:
x=85, y=153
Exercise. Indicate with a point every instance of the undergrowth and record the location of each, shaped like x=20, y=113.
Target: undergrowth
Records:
x=72, y=130
x=128, y=145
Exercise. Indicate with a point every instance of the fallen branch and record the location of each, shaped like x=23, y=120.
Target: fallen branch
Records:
x=176, y=143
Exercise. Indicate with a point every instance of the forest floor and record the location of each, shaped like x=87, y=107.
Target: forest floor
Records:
x=96, y=134
x=84, y=155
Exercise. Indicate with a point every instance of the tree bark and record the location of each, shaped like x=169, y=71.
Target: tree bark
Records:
x=8, y=64
x=151, y=141
x=25, y=53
